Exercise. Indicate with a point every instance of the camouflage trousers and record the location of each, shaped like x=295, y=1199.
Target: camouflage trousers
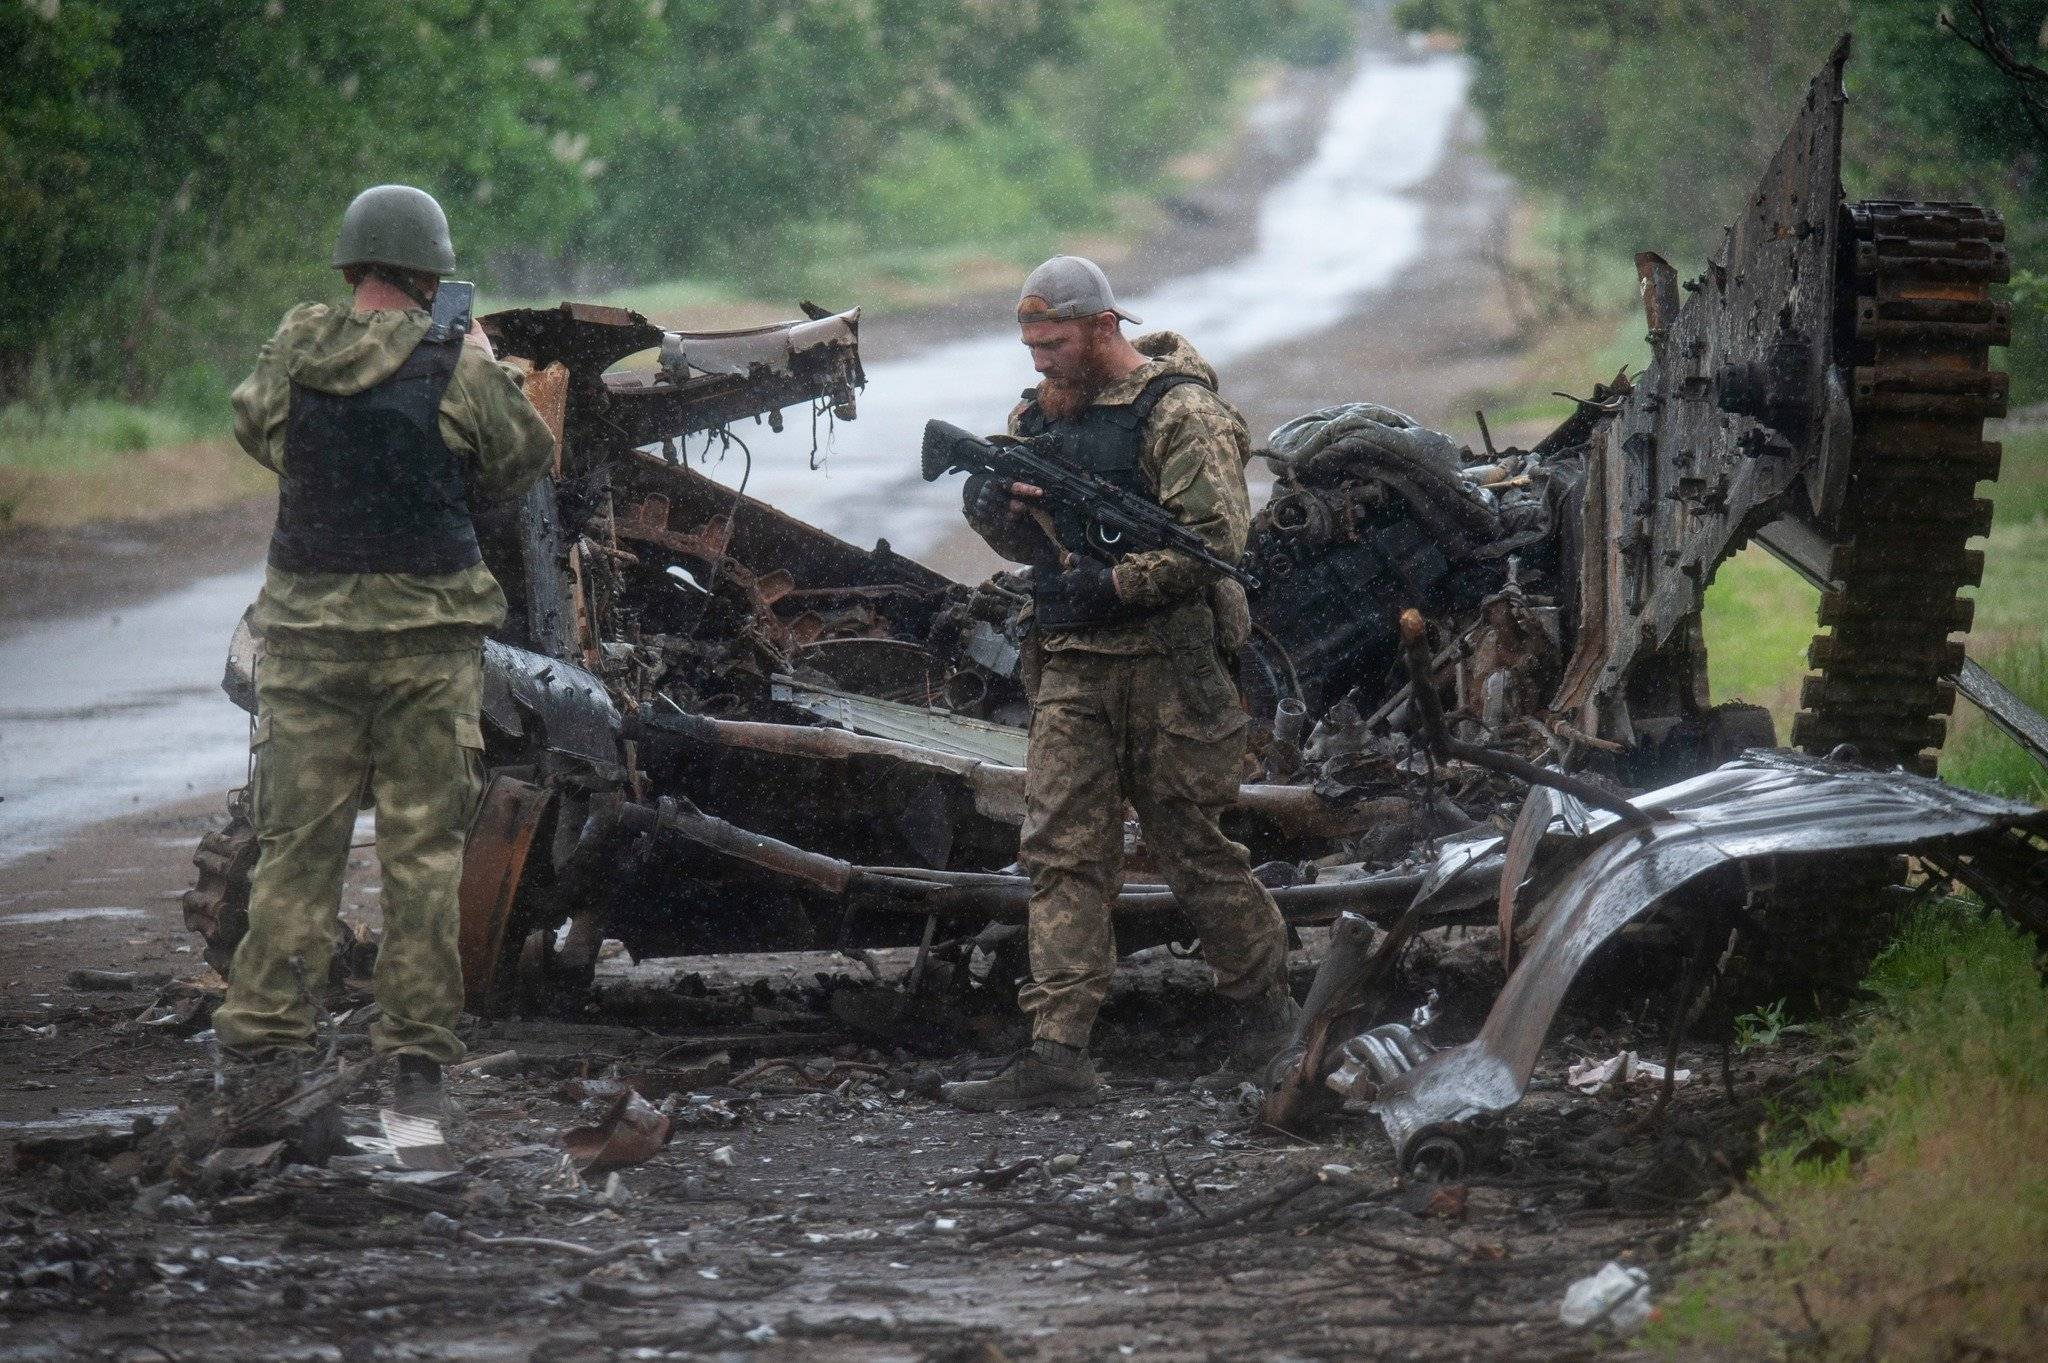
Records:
x=405, y=730
x=1111, y=728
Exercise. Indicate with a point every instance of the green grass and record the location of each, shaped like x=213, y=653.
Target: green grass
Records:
x=1981, y=757
x=1911, y=1205
x=47, y=439
x=1760, y=618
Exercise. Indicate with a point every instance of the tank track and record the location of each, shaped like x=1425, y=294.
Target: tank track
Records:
x=1921, y=320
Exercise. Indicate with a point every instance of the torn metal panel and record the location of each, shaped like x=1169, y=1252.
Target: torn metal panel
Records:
x=938, y=730
x=564, y=708
x=1760, y=806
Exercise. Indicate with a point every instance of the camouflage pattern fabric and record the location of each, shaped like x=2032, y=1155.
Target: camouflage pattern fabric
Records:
x=485, y=419
x=1164, y=731
x=1193, y=453
x=406, y=731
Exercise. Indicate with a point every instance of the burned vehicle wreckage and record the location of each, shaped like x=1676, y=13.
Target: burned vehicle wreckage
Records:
x=1479, y=678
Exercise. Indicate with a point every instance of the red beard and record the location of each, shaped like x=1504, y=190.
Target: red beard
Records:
x=1069, y=395
x=1060, y=401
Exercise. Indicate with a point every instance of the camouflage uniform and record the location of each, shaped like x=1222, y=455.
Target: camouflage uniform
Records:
x=369, y=683
x=1146, y=711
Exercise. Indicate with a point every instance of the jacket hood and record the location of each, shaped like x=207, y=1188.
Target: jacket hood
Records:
x=342, y=350
x=1172, y=353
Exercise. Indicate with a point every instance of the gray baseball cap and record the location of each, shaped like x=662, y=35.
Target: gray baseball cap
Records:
x=1064, y=288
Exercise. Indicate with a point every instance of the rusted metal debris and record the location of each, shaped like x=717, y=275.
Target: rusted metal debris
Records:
x=1742, y=816
x=712, y=727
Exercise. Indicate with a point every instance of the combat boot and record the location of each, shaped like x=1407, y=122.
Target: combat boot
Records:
x=250, y=1083
x=1044, y=1074
x=1260, y=1030
x=419, y=1090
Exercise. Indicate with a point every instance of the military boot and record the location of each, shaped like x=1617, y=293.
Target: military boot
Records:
x=1259, y=1031
x=419, y=1090
x=249, y=1083
x=1045, y=1074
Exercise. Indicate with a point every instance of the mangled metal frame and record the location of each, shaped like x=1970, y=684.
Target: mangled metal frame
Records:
x=1605, y=874
x=1830, y=356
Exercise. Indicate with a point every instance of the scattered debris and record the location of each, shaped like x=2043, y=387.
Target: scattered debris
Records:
x=631, y=1132
x=1615, y=1296
x=1593, y=1076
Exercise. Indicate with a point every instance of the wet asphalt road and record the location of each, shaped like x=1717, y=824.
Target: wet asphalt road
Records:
x=121, y=710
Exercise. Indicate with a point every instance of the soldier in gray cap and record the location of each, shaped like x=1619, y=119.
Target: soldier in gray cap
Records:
x=1131, y=671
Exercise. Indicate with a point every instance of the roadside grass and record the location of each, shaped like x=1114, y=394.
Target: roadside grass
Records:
x=33, y=436
x=1760, y=618
x=91, y=461
x=1906, y=1216
x=837, y=269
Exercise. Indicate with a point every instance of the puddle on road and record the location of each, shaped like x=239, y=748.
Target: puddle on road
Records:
x=115, y=710
x=34, y=916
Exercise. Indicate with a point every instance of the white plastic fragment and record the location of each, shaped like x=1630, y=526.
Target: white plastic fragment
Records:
x=722, y=1157
x=1617, y=1296
x=1591, y=1076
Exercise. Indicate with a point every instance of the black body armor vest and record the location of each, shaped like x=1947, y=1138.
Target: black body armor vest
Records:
x=369, y=486
x=1105, y=440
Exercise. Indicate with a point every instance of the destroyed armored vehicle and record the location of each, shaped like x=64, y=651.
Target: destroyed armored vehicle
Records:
x=711, y=727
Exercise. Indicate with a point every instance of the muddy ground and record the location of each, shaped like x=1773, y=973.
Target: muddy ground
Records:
x=825, y=1206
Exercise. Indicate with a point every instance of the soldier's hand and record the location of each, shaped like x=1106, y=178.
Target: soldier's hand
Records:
x=1091, y=586
x=988, y=500
x=477, y=338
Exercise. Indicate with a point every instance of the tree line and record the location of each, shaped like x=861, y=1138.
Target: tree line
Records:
x=1644, y=122
x=171, y=171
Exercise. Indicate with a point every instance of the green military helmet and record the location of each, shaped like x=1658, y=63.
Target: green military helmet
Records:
x=395, y=225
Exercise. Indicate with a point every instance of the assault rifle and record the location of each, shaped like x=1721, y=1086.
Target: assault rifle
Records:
x=1089, y=514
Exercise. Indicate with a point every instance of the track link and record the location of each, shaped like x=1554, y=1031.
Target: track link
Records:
x=1920, y=389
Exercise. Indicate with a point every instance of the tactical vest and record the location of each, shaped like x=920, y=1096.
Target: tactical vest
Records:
x=369, y=486
x=1104, y=439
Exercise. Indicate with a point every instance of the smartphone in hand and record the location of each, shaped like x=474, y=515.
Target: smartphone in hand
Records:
x=452, y=303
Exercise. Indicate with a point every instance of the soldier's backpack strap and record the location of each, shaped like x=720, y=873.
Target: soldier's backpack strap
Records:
x=1148, y=396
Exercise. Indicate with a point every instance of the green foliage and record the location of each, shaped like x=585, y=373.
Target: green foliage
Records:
x=1654, y=117
x=1910, y=1207
x=1762, y=1028
x=170, y=169
x=44, y=439
x=988, y=184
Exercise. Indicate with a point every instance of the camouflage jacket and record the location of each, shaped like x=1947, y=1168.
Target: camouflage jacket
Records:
x=485, y=419
x=1193, y=453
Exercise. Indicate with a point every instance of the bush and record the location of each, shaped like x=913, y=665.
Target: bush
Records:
x=993, y=183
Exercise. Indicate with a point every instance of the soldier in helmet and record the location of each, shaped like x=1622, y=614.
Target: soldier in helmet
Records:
x=372, y=616
x=1133, y=697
